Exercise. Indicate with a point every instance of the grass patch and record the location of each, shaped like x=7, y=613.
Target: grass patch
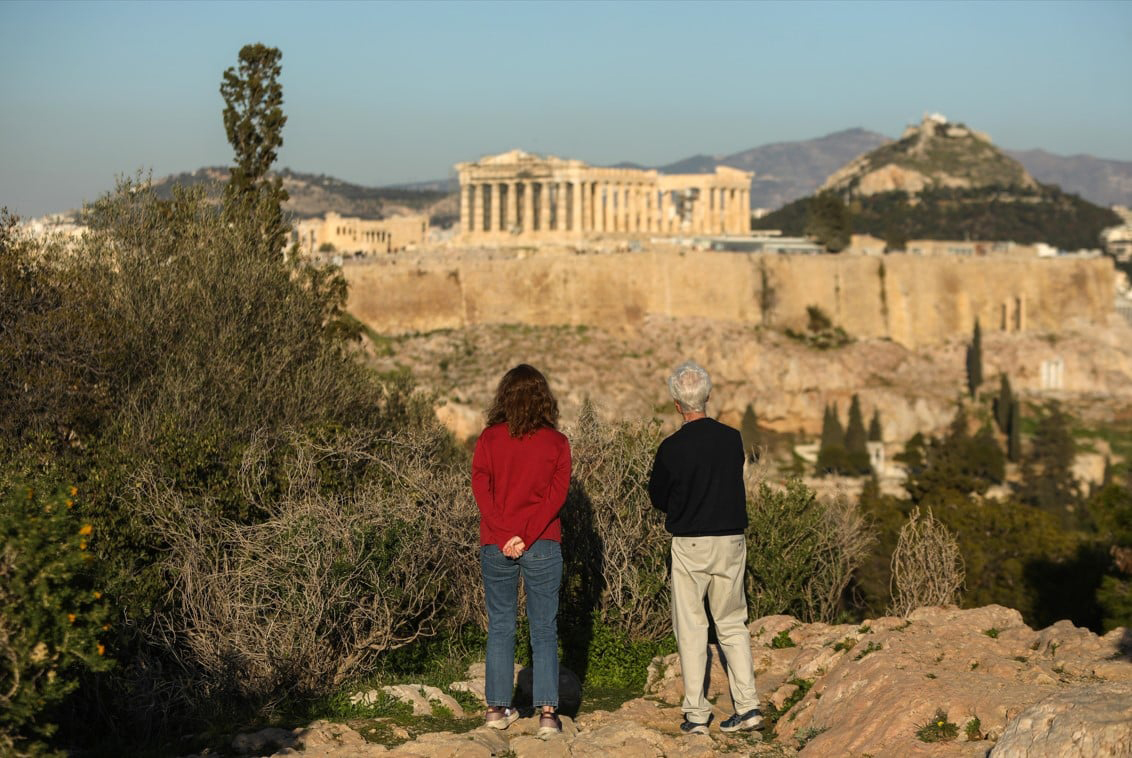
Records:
x=939, y=729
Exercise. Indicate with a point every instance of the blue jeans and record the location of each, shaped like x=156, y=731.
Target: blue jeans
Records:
x=541, y=567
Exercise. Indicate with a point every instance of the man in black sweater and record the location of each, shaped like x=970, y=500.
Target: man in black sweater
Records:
x=697, y=480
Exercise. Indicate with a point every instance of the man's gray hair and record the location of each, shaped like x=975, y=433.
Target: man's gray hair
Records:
x=690, y=386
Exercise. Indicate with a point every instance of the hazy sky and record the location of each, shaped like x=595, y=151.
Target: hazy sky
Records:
x=384, y=92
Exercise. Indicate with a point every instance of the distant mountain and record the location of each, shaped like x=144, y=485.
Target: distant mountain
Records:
x=1098, y=180
x=314, y=194
x=785, y=171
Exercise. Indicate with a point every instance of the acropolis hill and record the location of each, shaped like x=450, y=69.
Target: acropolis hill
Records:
x=546, y=241
x=913, y=300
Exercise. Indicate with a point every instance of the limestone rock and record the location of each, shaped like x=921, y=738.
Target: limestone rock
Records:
x=1094, y=721
x=326, y=739
x=420, y=696
x=255, y=743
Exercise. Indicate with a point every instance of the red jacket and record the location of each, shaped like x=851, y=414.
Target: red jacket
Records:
x=520, y=484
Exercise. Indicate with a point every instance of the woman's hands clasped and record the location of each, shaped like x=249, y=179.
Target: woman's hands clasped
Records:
x=515, y=547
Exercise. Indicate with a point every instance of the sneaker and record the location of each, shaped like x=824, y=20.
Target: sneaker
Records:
x=549, y=725
x=499, y=717
x=691, y=727
x=752, y=719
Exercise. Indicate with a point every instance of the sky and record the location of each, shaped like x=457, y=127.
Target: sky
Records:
x=379, y=93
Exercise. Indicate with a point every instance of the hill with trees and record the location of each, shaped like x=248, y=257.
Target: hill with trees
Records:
x=941, y=181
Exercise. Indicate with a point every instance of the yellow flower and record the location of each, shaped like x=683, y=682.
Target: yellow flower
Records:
x=101, y=648
x=71, y=617
x=939, y=723
x=86, y=530
x=82, y=544
x=74, y=491
x=70, y=503
x=97, y=595
x=105, y=627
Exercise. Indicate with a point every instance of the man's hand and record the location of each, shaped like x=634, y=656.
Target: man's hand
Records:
x=515, y=547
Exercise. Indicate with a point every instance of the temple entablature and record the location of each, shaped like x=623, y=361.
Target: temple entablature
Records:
x=520, y=196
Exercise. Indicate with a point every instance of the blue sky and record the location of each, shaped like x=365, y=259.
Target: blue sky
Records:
x=385, y=92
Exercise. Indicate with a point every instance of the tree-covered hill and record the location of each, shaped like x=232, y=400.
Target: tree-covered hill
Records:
x=1023, y=215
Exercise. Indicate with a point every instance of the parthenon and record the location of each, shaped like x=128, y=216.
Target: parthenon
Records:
x=520, y=195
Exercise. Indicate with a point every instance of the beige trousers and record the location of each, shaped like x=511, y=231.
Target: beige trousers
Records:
x=712, y=567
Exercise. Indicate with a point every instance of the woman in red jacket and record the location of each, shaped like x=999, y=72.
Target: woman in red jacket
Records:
x=520, y=475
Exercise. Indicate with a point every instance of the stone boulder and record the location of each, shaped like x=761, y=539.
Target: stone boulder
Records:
x=1094, y=721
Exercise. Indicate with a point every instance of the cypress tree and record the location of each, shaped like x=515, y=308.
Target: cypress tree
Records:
x=1003, y=403
x=975, y=361
x=876, y=434
x=831, y=453
x=856, y=441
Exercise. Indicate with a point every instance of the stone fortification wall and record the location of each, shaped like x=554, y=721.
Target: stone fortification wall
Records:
x=912, y=300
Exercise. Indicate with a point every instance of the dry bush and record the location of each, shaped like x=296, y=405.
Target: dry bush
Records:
x=613, y=539
x=331, y=578
x=802, y=551
x=927, y=567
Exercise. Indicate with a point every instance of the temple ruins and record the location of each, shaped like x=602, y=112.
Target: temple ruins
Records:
x=523, y=197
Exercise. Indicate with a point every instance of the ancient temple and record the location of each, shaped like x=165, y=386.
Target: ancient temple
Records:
x=519, y=196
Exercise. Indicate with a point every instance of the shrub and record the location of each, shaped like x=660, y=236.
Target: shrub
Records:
x=51, y=613
x=616, y=547
x=939, y=729
x=318, y=590
x=927, y=568
x=801, y=551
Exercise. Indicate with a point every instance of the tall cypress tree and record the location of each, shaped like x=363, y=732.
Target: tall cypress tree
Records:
x=975, y=361
x=1003, y=403
x=831, y=453
x=856, y=441
x=876, y=432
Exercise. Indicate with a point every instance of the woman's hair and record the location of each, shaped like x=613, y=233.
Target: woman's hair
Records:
x=524, y=401
x=690, y=386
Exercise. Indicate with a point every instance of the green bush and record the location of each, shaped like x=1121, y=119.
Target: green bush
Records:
x=801, y=551
x=52, y=615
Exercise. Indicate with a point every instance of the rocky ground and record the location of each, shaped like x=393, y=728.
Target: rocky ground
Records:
x=941, y=682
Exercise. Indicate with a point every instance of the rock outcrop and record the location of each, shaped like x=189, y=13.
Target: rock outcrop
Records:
x=941, y=682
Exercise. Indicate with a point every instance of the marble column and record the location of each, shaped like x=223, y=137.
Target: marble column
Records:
x=512, y=213
x=599, y=206
x=477, y=208
x=544, y=206
x=528, y=207
x=559, y=206
x=586, y=206
x=465, y=208
x=493, y=215
x=576, y=205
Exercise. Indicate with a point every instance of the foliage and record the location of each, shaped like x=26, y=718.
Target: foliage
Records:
x=782, y=640
x=828, y=221
x=1025, y=216
x=821, y=333
x=1003, y=404
x=973, y=729
x=615, y=547
x=975, y=361
x=613, y=659
x=856, y=442
x=53, y=618
x=876, y=431
x=801, y=551
x=833, y=458
x=1111, y=508
x=957, y=462
x=1047, y=469
x=927, y=568
x=939, y=729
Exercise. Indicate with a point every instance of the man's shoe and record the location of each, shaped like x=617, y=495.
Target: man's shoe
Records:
x=691, y=727
x=499, y=717
x=752, y=719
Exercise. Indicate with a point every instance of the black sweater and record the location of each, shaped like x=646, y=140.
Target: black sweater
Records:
x=697, y=480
